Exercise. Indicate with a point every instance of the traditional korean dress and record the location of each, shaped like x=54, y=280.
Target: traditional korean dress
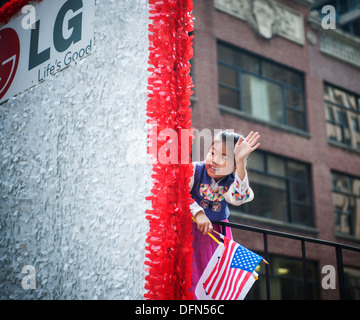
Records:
x=212, y=197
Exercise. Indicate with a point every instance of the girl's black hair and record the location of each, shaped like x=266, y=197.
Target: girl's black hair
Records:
x=228, y=137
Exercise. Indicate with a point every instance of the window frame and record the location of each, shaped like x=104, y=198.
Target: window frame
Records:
x=289, y=181
x=284, y=86
x=350, y=195
x=297, y=280
x=347, y=113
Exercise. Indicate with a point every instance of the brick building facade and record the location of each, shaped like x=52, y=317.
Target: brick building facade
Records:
x=270, y=66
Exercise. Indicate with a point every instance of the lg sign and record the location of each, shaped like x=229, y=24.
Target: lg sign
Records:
x=62, y=34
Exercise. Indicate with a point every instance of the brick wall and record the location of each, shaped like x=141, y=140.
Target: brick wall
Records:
x=210, y=25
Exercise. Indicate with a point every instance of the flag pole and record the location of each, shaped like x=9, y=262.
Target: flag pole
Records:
x=219, y=234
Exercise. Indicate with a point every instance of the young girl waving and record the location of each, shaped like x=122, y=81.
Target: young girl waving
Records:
x=220, y=179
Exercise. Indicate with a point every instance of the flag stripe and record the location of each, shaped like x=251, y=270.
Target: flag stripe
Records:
x=225, y=288
x=224, y=270
x=216, y=280
x=210, y=277
x=210, y=280
x=238, y=282
x=247, y=275
x=234, y=275
x=230, y=285
x=218, y=268
x=233, y=284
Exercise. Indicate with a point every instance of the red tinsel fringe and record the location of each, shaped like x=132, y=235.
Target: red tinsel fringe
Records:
x=9, y=9
x=169, y=248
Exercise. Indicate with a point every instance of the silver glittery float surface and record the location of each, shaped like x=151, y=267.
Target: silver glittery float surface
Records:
x=72, y=192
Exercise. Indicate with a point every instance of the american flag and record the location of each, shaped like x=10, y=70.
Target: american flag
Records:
x=232, y=275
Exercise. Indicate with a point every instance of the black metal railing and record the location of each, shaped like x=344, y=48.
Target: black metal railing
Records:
x=339, y=247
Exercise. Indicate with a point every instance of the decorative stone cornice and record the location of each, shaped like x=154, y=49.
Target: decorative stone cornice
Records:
x=337, y=43
x=266, y=17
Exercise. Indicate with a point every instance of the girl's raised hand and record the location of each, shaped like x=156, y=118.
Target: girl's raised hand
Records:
x=244, y=147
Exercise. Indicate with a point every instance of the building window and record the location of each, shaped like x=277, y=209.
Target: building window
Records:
x=346, y=202
x=286, y=280
x=352, y=283
x=342, y=110
x=282, y=187
x=260, y=88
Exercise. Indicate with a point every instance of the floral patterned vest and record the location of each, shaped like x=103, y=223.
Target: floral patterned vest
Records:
x=213, y=202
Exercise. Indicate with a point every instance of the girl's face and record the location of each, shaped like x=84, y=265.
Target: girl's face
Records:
x=219, y=161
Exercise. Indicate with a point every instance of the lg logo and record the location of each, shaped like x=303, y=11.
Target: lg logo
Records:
x=9, y=58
